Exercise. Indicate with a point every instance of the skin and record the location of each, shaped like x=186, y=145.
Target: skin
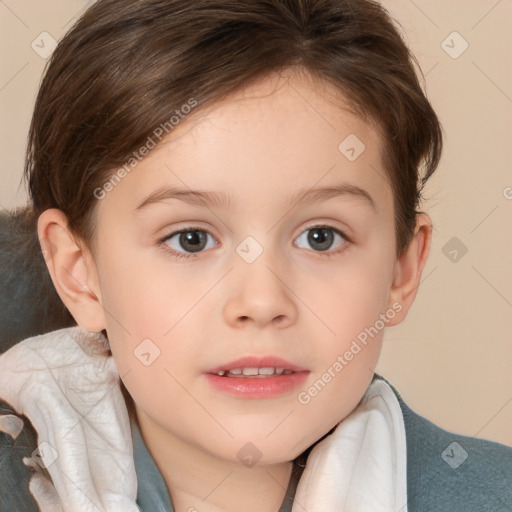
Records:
x=259, y=147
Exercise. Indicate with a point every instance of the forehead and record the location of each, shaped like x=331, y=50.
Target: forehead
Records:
x=283, y=107
x=283, y=134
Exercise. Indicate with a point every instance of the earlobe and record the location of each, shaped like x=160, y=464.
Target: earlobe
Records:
x=72, y=271
x=409, y=267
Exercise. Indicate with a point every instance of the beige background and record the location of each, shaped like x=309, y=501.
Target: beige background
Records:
x=451, y=358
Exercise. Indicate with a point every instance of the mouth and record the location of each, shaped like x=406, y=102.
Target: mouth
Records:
x=256, y=377
x=254, y=373
x=256, y=367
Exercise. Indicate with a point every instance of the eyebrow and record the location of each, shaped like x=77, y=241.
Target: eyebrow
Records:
x=219, y=199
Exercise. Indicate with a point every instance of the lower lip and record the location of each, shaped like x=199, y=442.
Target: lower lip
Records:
x=257, y=387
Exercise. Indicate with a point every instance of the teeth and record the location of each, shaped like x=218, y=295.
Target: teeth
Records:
x=254, y=372
x=250, y=371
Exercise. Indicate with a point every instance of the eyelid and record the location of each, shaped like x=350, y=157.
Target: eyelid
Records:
x=347, y=242
x=187, y=226
x=327, y=225
x=161, y=241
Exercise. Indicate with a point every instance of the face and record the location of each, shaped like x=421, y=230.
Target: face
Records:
x=271, y=249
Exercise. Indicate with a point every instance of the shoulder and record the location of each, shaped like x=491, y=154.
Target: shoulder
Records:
x=14, y=473
x=448, y=471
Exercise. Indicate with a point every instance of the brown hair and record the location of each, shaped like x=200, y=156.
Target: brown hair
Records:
x=125, y=67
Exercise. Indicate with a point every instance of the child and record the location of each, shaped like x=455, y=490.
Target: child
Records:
x=225, y=193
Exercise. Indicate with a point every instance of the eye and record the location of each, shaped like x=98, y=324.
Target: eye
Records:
x=321, y=239
x=189, y=240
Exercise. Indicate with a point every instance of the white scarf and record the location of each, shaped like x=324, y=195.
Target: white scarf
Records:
x=361, y=466
x=67, y=384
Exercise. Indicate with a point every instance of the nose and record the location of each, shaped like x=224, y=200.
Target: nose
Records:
x=259, y=296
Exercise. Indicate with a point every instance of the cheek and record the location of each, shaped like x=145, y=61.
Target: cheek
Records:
x=346, y=357
x=143, y=294
x=350, y=304
x=351, y=294
x=147, y=311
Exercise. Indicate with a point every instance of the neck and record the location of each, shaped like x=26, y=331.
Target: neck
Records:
x=199, y=481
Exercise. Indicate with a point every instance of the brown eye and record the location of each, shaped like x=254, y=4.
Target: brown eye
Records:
x=320, y=238
x=190, y=241
x=193, y=241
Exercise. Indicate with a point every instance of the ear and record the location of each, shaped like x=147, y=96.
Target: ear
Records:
x=72, y=270
x=409, y=267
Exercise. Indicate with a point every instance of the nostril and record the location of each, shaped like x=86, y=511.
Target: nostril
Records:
x=278, y=319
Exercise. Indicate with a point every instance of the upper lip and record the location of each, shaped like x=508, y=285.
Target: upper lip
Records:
x=257, y=362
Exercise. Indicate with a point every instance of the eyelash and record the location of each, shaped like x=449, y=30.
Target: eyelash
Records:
x=162, y=242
